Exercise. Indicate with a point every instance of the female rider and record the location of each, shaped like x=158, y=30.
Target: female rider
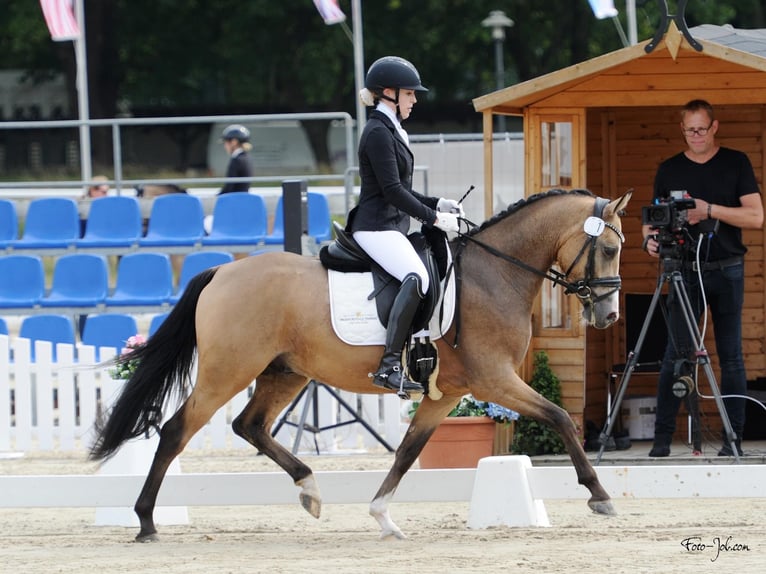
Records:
x=381, y=219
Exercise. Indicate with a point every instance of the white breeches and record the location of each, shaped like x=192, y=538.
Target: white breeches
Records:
x=394, y=253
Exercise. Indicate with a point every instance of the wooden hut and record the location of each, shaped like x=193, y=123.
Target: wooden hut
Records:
x=606, y=124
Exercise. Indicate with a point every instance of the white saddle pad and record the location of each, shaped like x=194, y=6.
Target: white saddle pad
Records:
x=355, y=318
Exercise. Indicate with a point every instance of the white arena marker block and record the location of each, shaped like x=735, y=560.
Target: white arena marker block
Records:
x=502, y=495
x=135, y=458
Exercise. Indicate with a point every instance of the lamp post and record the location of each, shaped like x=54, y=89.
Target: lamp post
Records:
x=497, y=21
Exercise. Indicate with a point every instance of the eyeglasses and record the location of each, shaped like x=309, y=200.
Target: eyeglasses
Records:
x=696, y=131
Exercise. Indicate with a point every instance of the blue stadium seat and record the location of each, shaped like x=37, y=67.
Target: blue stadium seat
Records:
x=79, y=280
x=176, y=219
x=9, y=223
x=239, y=218
x=3, y=327
x=51, y=222
x=22, y=281
x=319, y=224
x=142, y=279
x=53, y=328
x=156, y=322
x=277, y=235
x=197, y=262
x=109, y=330
x=113, y=221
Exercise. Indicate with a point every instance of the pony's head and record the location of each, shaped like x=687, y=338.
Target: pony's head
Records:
x=591, y=257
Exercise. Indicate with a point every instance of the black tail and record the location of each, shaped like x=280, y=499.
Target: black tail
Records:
x=164, y=365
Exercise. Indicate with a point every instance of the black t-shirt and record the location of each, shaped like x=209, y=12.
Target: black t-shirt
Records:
x=721, y=180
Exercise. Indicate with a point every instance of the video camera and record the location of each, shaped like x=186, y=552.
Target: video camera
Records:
x=669, y=217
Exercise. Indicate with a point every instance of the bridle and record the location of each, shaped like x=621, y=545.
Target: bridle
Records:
x=582, y=288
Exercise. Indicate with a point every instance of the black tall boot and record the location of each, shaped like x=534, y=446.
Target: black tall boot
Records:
x=390, y=374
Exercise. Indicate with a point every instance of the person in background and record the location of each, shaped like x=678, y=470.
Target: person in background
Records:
x=98, y=189
x=381, y=220
x=727, y=200
x=236, y=141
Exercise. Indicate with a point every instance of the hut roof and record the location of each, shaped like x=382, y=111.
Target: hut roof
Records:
x=730, y=68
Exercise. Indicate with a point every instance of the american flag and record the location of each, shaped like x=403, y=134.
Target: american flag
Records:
x=59, y=15
x=330, y=11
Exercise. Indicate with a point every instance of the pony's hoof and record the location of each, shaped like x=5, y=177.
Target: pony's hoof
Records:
x=142, y=538
x=309, y=496
x=311, y=504
x=392, y=534
x=604, y=507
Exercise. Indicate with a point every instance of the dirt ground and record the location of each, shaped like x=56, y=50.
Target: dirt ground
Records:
x=647, y=535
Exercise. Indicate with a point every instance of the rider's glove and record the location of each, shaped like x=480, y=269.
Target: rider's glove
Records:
x=450, y=206
x=447, y=221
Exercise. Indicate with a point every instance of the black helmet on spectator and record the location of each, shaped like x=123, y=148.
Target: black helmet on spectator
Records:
x=393, y=72
x=236, y=132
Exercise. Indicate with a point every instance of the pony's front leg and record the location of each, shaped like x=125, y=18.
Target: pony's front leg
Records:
x=427, y=418
x=528, y=402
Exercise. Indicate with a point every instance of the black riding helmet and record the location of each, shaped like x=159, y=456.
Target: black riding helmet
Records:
x=236, y=132
x=392, y=72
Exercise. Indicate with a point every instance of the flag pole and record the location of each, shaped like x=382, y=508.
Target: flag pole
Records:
x=86, y=170
x=356, y=17
x=630, y=11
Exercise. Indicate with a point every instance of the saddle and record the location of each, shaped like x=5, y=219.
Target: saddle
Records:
x=346, y=256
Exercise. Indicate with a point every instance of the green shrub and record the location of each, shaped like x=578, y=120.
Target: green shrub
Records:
x=532, y=437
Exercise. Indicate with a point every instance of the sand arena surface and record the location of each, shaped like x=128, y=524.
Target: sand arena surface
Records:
x=647, y=536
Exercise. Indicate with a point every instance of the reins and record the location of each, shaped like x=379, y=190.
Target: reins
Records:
x=582, y=288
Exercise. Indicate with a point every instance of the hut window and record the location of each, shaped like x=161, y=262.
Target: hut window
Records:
x=557, y=154
x=555, y=311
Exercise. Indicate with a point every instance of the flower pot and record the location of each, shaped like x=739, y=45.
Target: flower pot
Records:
x=459, y=442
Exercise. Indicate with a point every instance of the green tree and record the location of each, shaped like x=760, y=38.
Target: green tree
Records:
x=166, y=57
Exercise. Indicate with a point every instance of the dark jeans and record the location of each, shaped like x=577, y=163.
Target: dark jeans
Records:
x=724, y=291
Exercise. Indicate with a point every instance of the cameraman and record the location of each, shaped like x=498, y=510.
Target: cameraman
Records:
x=723, y=185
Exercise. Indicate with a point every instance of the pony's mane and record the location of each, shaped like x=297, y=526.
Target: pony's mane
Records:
x=522, y=203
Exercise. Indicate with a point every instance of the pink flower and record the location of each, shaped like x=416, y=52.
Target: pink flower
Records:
x=132, y=343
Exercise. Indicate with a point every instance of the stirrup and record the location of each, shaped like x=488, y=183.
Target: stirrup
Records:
x=403, y=388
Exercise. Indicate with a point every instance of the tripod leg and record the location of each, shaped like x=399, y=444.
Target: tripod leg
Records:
x=704, y=359
x=357, y=418
x=693, y=408
x=614, y=410
x=310, y=397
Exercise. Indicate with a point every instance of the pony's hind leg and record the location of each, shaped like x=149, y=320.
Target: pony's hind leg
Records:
x=171, y=444
x=273, y=392
x=174, y=436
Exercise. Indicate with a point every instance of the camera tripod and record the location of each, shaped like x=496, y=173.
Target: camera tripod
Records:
x=311, y=392
x=671, y=274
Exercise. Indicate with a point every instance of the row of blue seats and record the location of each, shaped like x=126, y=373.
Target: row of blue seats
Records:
x=81, y=280
x=175, y=220
x=106, y=330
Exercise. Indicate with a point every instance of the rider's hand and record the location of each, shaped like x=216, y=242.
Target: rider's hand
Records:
x=447, y=221
x=450, y=206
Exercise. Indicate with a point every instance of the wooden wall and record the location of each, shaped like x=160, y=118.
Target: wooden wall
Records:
x=624, y=148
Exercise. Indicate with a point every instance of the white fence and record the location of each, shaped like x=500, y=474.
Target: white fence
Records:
x=47, y=405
